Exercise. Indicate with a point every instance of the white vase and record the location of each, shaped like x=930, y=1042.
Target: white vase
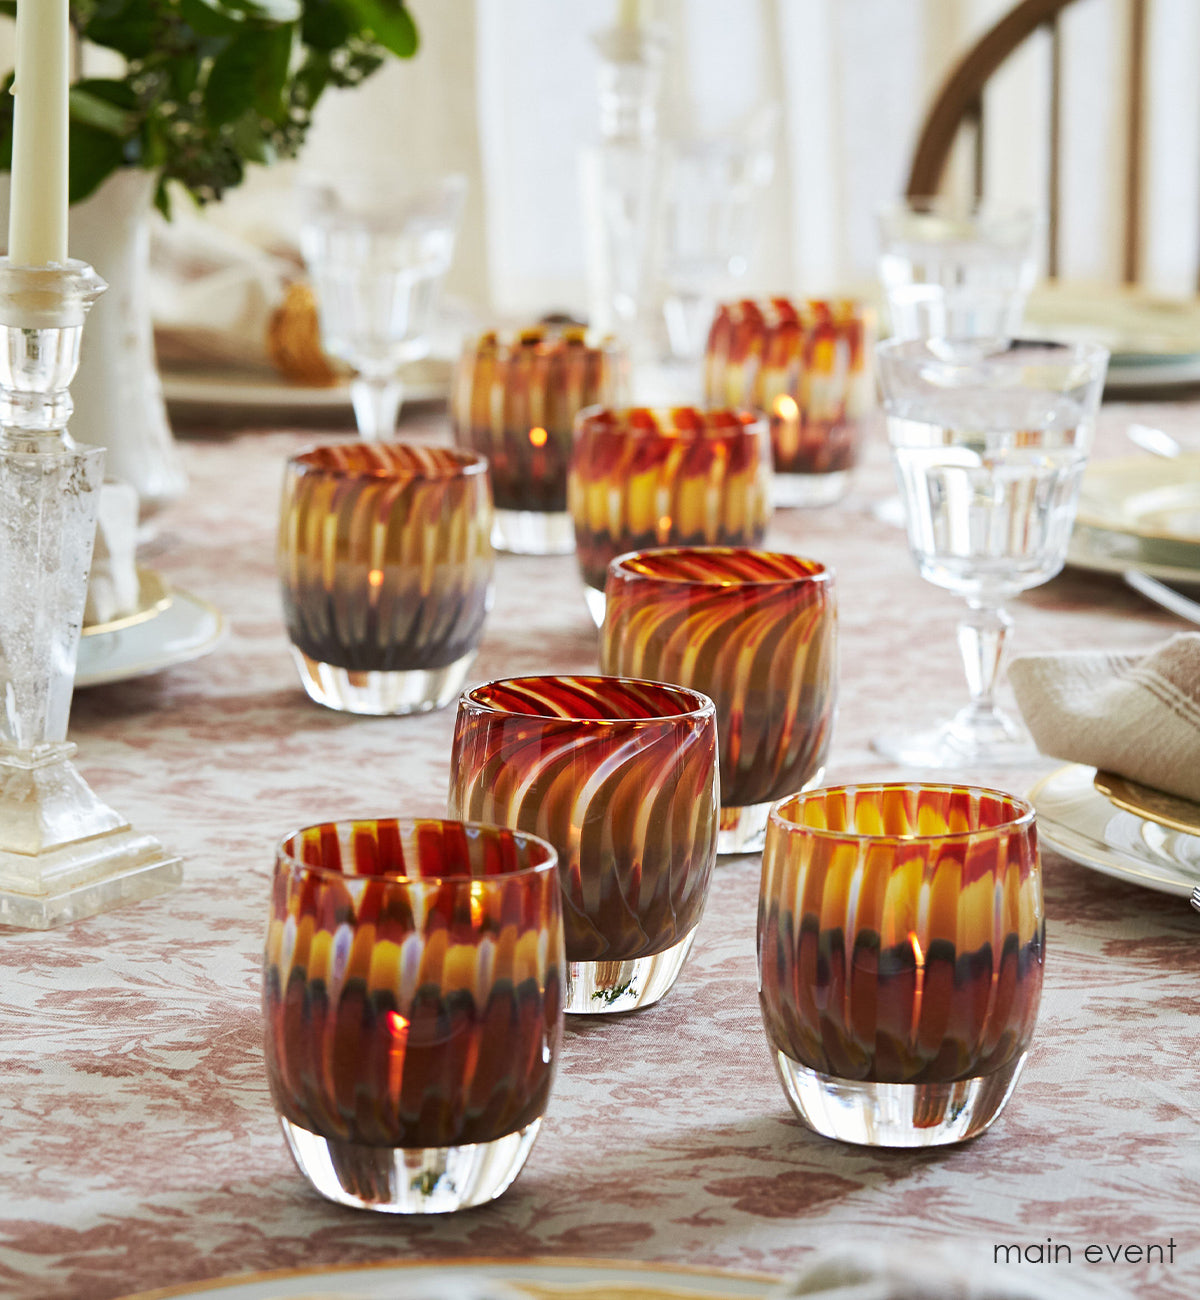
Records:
x=117, y=392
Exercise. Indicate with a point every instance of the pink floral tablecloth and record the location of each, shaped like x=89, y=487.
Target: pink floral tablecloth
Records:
x=139, y=1148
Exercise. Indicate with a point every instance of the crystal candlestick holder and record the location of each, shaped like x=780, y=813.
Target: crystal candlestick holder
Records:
x=63, y=853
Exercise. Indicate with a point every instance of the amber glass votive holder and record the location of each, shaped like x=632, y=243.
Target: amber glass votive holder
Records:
x=901, y=940
x=412, y=1003
x=515, y=398
x=642, y=478
x=385, y=562
x=755, y=631
x=621, y=777
x=808, y=365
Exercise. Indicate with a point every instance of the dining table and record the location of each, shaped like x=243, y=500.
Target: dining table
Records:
x=141, y=1151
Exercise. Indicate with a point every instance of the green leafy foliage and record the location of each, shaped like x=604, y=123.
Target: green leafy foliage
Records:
x=212, y=85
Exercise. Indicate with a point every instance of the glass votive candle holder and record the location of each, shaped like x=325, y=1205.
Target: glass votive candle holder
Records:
x=901, y=939
x=412, y=1004
x=385, y=562
x=642, y=478
x=515, y=399
x=755, y=631
x=808, y=365
x=621, y=777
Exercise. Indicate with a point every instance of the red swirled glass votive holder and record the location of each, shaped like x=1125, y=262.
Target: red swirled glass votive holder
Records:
x=680, y=477
x=385, y=562
x=755, y=631
x=901, y=937
x=515, y=398
x=621, y=777
x=808, y=365
x=412, y=1003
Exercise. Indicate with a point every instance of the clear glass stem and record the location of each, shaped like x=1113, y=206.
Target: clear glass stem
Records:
x=980, y=725
x=376, y=406
x=981, y=637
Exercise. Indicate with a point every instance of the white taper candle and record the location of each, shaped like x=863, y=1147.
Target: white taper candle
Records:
x=37, y=218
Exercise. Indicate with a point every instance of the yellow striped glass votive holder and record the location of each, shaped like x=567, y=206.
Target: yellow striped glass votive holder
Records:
x=807, y=364
x=385, y=562
x=677, y=476
x=756, y=631
x=621, y=777
x=412, y=1008
x=901, y=939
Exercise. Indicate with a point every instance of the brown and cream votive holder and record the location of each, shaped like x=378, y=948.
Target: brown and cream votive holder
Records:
x=514, y=399
x=621, y=777
x=385, y=563
x=755, y=631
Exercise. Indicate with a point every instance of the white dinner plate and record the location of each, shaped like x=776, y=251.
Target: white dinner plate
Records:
x=1154, y=340
x=1077, y=820
x=547, y=1280
x=1140, y=512
x=227, y=388
x=186, y=629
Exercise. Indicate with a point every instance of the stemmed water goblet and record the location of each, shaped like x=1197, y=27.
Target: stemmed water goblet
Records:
x=957, y=270
x=377, y=260
x=989, y=447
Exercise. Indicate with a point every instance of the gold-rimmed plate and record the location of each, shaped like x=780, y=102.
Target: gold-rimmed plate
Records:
x=153, y=597
x=187, y=629
x=1154, y=805
x=545, y=1279
x=1074, y=818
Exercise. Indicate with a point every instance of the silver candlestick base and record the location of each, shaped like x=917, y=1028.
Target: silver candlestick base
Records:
x=63, y=853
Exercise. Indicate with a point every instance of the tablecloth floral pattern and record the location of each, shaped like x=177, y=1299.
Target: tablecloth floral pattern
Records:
x=139, y=1146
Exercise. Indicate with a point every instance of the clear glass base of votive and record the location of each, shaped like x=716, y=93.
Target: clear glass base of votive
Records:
x=604, y=987
x=896, y=1114
x=409, y=1180
x=743, y=830
x=595, y=603
x=533, y=532
x=417, y=690
x=810, y=489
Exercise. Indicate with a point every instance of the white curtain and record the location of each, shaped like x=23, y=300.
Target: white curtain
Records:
x=505, y=90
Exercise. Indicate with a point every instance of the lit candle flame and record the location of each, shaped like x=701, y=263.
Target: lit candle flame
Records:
x=398, y=1028
x=919, y=987
x=786, y=406
x=537, y=436
x=477, y=902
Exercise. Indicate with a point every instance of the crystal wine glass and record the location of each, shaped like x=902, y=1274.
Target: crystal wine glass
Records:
x=957, y=270
x=376, y=261
x=989, y=448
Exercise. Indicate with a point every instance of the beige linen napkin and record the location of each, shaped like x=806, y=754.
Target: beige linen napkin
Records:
x=1134, y=714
